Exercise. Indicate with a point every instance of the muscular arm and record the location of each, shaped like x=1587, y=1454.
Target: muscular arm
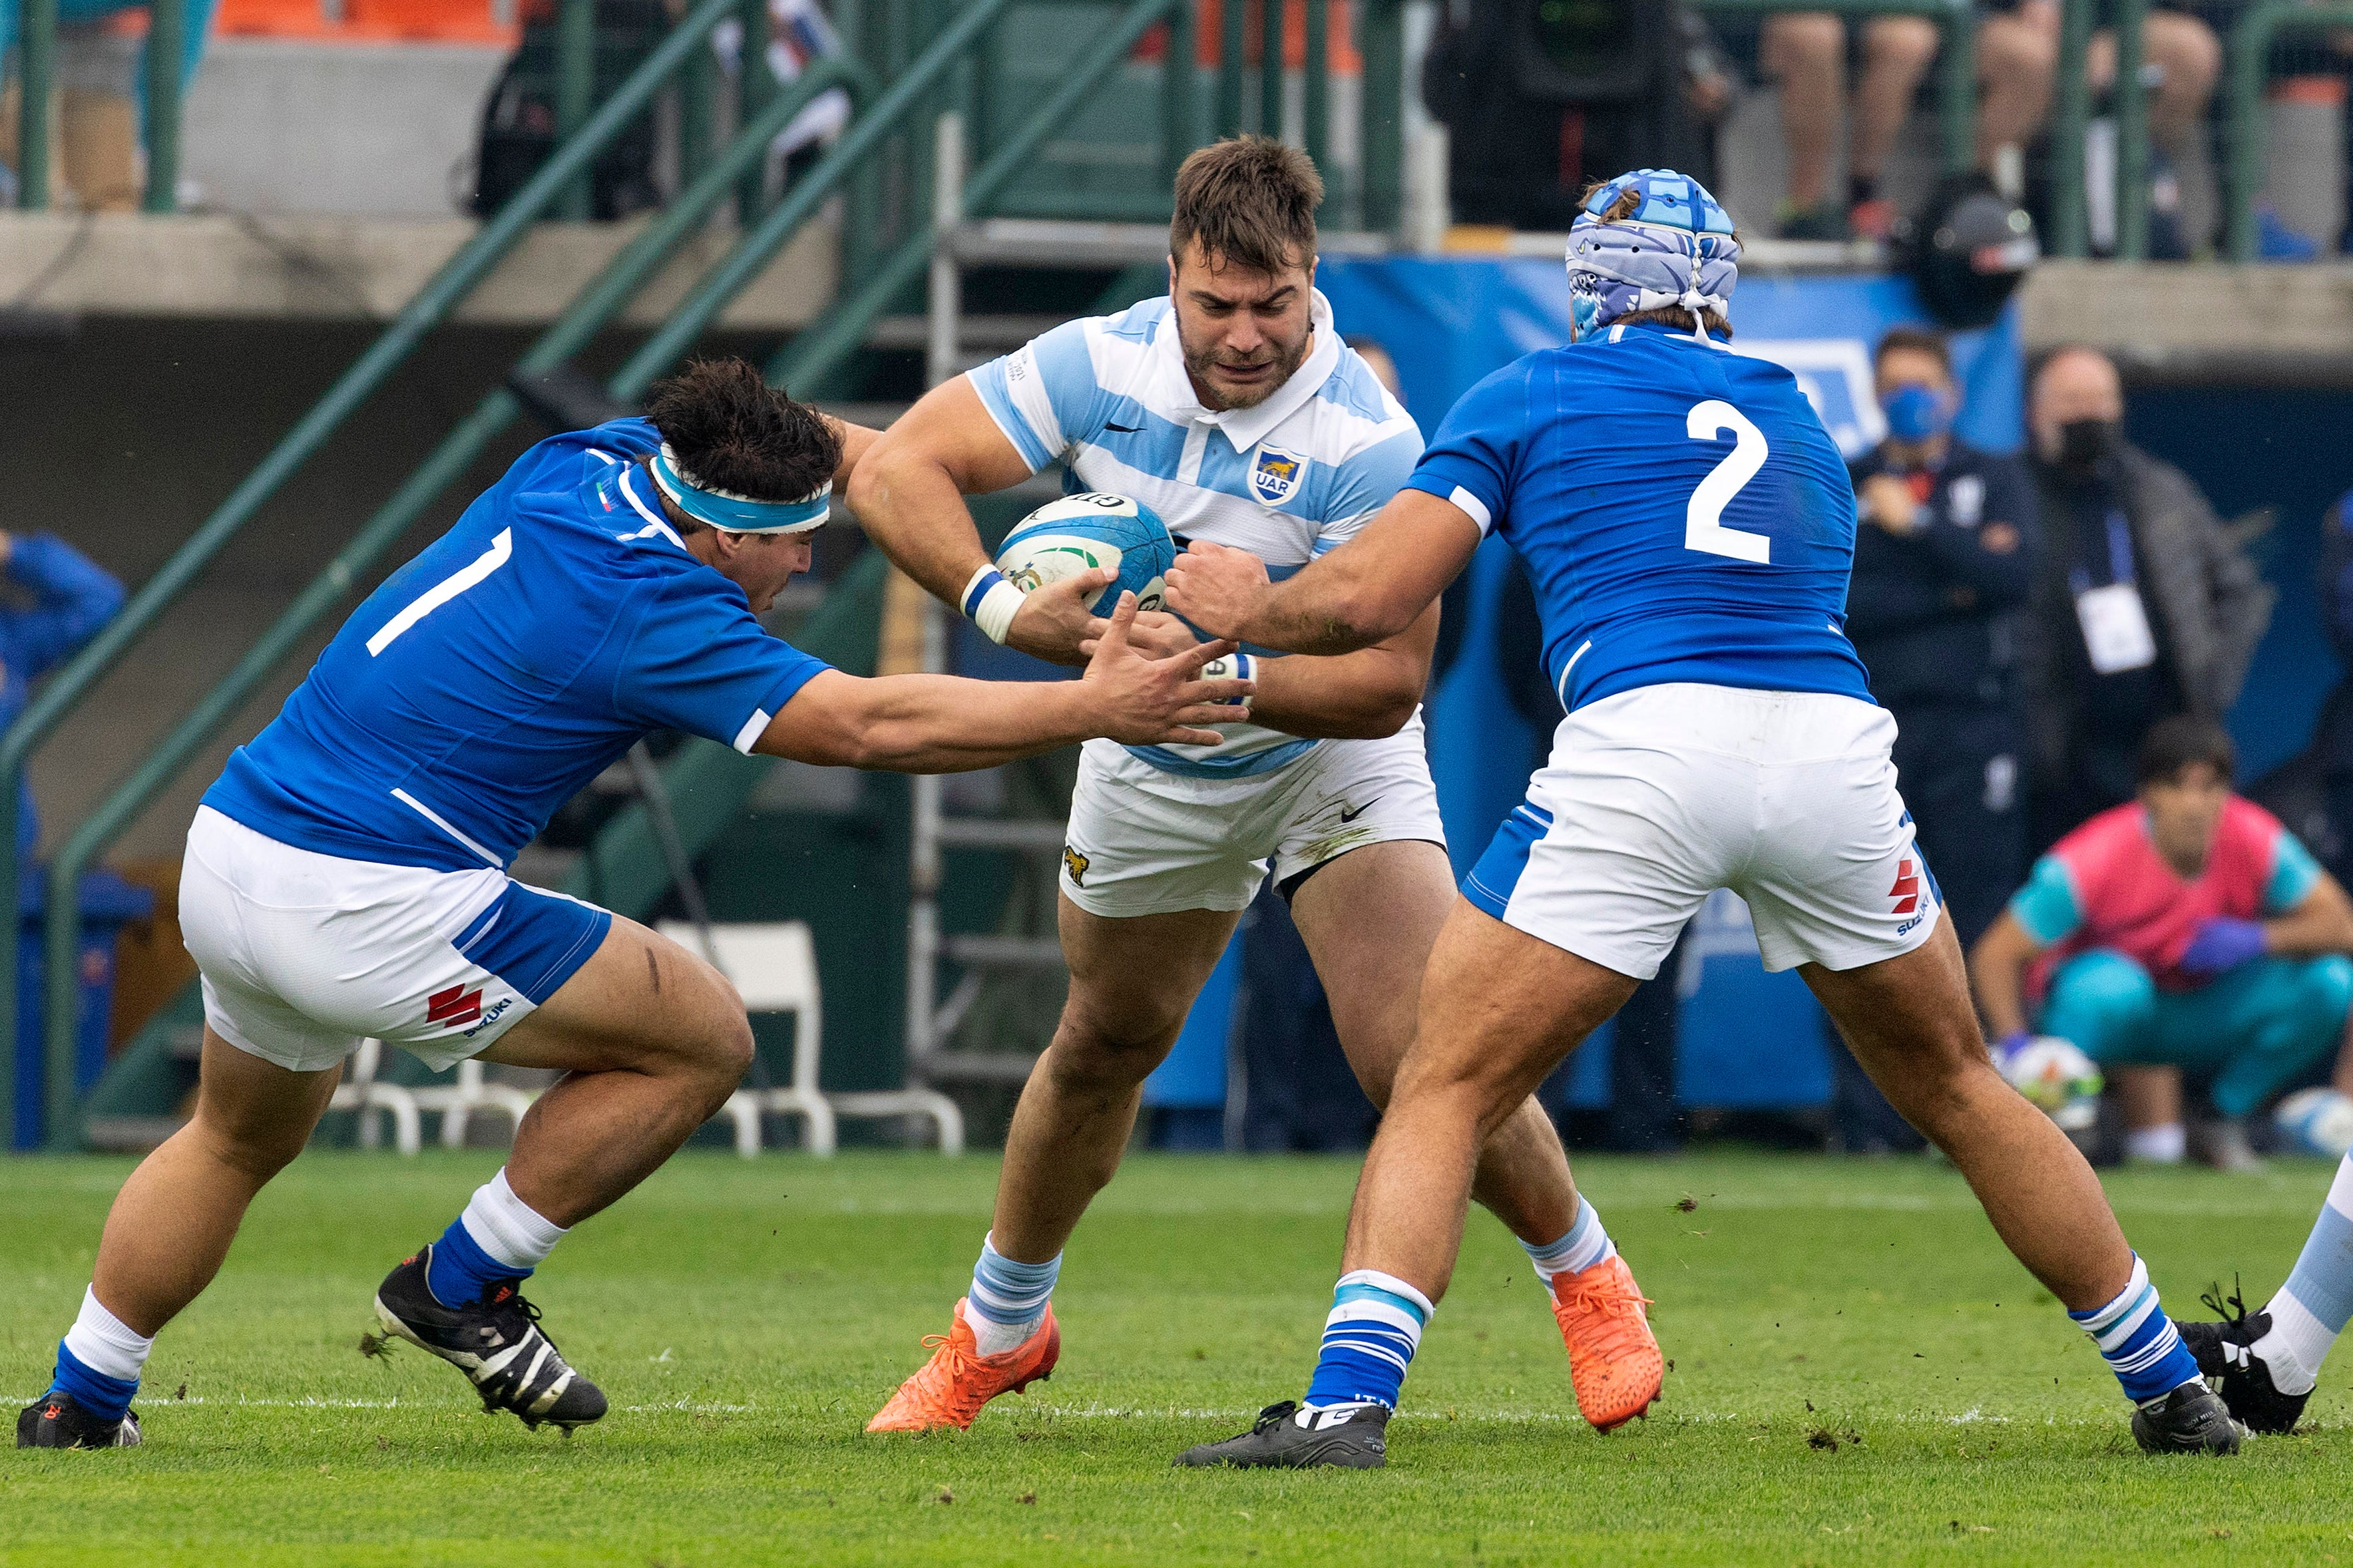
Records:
x=2322, y=923
x=1371, y=589
x=856, y=440
x=909, y=489
x=1359, y=696
x=1998, y=972
x=943, y=724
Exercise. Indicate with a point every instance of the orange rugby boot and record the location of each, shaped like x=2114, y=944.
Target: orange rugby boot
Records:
x=958, y=1380
x=1613, y=1360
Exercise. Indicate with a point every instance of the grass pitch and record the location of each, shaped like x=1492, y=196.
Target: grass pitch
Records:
x=1861, y=1375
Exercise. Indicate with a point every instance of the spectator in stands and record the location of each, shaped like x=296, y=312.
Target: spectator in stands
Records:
x=2143, y=604
x=1941, y=564
x=1806, y=53
x=95, y=137
x=2183, y=59
x=70, y=599
x=2187, y=928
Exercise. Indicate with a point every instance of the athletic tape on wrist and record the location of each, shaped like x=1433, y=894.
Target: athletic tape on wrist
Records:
x=990, y=601
x=1235, y=665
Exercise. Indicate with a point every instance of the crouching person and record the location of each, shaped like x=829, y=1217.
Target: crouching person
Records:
x=2185, y=929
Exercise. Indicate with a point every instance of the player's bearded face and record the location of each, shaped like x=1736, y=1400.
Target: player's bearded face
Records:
x=1243, y=333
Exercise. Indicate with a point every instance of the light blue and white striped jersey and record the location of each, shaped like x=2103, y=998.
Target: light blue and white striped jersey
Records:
x=1287, y=480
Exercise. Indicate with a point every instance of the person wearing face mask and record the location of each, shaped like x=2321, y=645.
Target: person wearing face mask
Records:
x=2143, y=605
x=1942, y=562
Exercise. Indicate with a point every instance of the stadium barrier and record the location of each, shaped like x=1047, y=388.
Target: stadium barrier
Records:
x=160, y=114
x=881, y=114
x=2247, y=63
x=1957, y=79
x=597, y=304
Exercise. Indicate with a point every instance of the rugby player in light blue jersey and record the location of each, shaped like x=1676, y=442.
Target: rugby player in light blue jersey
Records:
x=1689, y=527
x=346, y=877
x=1231, y=408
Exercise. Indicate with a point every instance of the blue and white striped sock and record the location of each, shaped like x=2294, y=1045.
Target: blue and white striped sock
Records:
x=1368, y=1341
x=2313, y=1308
x=2138, y=1342
x=1586, y=1245
x=1008, y=1298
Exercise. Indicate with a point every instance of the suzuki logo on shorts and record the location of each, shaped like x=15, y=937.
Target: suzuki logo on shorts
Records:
x=1274, y=478
x=455, y=1008
x=1906, y=891
x=498, y=1010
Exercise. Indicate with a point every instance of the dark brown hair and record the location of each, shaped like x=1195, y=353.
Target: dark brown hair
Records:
x=1628, y=203
x=2172, y=745
x=1914, y=340
x=732, y=430
x=1250, y=201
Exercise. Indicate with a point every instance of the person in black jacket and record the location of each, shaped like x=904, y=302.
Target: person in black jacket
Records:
x=1942, y=560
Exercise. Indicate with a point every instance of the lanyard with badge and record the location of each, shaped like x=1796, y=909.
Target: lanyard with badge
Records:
x=2116, y=623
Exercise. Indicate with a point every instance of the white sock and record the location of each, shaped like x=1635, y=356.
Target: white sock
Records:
x=508, y=1228
x=105, y=1343
x=1586, y=1245
x=2164, y=1144
x=2313, y=1308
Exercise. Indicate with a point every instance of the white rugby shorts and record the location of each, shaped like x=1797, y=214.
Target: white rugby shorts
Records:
x=1655, y=797
x=1144, y=841
x=304, y=955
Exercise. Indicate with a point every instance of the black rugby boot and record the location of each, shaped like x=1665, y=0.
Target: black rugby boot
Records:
x=496, y=1341
x=2190, y=1420
x=2225, y=1353
x=1350, y=1437
x=58, y=1421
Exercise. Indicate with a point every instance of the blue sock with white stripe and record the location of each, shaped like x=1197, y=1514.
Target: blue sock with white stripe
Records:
x=100, y=1360
x=2138, y=1342
x=1586, y=1245
x=498, y=1240
x=1008, y=1298
x=1368, y=1341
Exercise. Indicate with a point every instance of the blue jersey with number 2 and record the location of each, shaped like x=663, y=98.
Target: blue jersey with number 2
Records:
x=1682, y=513
x=517, y=657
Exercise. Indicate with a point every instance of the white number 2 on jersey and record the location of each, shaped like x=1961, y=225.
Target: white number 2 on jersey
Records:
x=1704, y=527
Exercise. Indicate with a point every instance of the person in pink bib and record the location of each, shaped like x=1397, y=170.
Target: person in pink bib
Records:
x=2186, y=927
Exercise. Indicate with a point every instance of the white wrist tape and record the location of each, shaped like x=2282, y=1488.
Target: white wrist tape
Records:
x=990, y=601
x=1235, y=665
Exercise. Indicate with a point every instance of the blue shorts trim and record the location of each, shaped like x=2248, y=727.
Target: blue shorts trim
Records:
x=533, y=940
x=1490, y=882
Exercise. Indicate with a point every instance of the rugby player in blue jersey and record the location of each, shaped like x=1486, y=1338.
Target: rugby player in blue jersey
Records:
x=1233, y=408
x=346, y=877
x=1689, y=528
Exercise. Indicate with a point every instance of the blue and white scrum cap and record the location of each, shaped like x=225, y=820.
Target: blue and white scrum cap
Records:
x=732, y=512
x=1675, y=248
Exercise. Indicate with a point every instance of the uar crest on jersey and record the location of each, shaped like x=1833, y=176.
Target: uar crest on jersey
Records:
x=1276, y=475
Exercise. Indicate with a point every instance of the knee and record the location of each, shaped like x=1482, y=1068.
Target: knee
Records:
x=2098, y=997
x=2326, y=990
x=1107, y=1049
x=1905, y=44
x=2018, y=54
x=2187, y=50
x=258, y=1153
x=1798, y=41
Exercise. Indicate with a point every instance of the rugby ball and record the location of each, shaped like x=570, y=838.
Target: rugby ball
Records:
x=2316, y=1122
x=1094, y=529
x=2055, y=1075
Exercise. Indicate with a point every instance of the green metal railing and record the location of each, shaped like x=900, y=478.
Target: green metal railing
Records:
x=884, y=113
x=37, y=52
x=2250, y=49
x=2070, y=233
x=432, y=304
x=1957, y=69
